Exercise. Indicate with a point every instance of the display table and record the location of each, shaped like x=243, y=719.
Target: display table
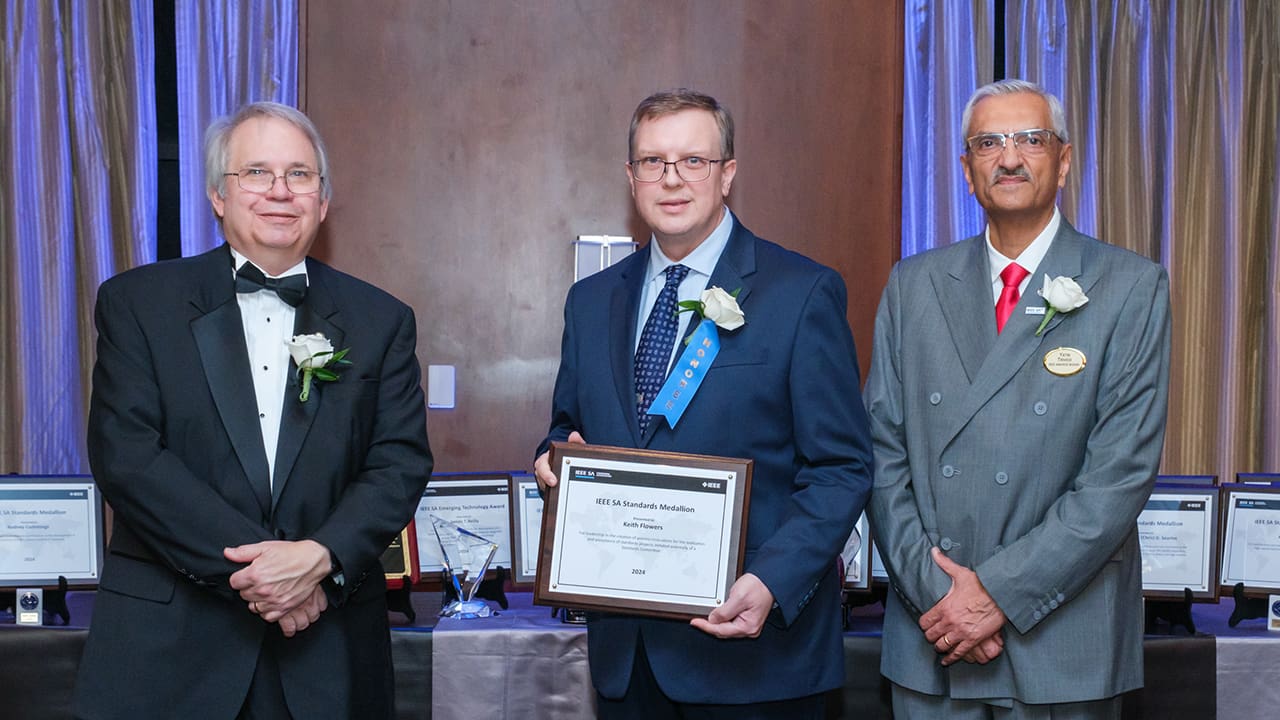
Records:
x=522, y=663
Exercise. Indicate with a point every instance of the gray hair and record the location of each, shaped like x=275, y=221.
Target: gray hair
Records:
x=1011, y=87
x=667, y=103
x=217, y=141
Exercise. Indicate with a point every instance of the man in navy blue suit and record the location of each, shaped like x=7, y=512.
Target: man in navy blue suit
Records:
x=783, y=391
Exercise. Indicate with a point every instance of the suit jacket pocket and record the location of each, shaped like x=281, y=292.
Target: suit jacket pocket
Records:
x=733, y=358
x=138, y=578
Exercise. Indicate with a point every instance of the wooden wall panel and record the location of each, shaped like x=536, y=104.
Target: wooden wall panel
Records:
x=472, y=141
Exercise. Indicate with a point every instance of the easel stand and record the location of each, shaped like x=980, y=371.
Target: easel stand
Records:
x=1174, y=612
x=1246, y=608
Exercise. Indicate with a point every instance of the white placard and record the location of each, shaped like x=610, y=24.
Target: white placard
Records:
x=1176, y=530
x=50, y=526
x=1251, y=549
x=644, y=532
x=527, y=531
x=478, y=503
x=856, y=556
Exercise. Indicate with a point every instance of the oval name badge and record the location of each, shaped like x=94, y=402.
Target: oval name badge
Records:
x=1064, y=361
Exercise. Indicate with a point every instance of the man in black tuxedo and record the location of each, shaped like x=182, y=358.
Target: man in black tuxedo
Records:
x=250, y=510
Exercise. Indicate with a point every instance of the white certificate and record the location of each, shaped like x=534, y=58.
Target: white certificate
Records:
x=878, y=570
x=655, y=533
x=478, y=503
x=1251, y=551
x=1177, y=530
x=856, y=556
x=50, y=527
x=526, y=523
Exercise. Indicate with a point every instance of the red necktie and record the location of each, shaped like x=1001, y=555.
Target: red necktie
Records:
x=1011, y=276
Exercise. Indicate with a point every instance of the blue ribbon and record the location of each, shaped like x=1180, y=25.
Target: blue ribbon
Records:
x=687, y=376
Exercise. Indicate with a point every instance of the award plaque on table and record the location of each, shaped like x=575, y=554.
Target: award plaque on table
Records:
x=1251, y=538
x=1179, y=533
x=477, y=502
x=526, y=528
x=400, y=559
x=50, y=527
x=642, y=532
x=856, y=557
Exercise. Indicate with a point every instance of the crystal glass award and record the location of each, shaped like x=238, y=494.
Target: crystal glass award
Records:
x=466, y=557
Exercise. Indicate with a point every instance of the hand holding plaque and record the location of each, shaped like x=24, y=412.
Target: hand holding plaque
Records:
x=646, y=532
x=466, y=557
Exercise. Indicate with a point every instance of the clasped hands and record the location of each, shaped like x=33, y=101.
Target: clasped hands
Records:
x=966, y=623
x=281, y=582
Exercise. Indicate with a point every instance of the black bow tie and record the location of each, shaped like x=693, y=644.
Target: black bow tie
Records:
x=291, y=288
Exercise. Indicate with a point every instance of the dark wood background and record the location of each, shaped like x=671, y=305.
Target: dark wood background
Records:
x=472, y=141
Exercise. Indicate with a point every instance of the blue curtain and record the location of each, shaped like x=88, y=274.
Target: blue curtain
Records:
x=229, y=53
x=77, y=205
x=947, y=54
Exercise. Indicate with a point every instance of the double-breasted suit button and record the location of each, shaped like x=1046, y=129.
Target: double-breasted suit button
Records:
x=935, y=398
x=1041, y=407
x=948, y=471
x=1002, y=477
x=946, y=544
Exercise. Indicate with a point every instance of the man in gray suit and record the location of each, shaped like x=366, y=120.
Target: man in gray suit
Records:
x=1015, y=448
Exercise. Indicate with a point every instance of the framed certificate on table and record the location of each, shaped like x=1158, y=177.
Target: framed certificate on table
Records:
x=476, y=502
x=1178, y=531
x=856, y=557
x=526, y=528
x=400, y=559
x=643, y=532
x=1251, y=538
x=50, y=527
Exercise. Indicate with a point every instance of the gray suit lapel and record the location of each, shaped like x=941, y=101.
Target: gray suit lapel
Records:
x=1015, y=345
x=219, y=336
x=315, y=315
x=964, y=296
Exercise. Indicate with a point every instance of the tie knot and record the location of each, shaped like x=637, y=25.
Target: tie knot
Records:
x=1013, y=274
x=676, y=274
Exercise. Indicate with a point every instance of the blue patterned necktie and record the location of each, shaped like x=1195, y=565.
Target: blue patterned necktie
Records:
x=653, y=356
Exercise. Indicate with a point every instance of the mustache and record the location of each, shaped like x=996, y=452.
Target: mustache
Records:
x=1020, y=171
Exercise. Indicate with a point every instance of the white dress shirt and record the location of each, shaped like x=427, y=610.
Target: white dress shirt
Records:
x=701, y=262
x=268, y=326
x=1029, y=259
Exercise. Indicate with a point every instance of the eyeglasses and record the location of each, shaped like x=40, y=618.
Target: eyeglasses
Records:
x=261, y=180
x=1027, y=142
x=653, y=169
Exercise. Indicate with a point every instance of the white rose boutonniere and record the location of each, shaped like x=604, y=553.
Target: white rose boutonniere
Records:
x=314, y=356
x=719, y=307
x=1061, y=295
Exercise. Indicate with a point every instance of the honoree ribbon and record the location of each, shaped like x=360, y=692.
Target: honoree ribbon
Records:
x=687, y=376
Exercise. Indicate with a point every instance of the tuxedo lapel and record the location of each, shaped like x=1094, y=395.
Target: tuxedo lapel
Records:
x=219, y=336
x=315, y=315
x=624, y=305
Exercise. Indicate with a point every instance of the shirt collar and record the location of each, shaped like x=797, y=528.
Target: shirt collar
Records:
x=702, y=260
x=237, y=260
x=1031, y=256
